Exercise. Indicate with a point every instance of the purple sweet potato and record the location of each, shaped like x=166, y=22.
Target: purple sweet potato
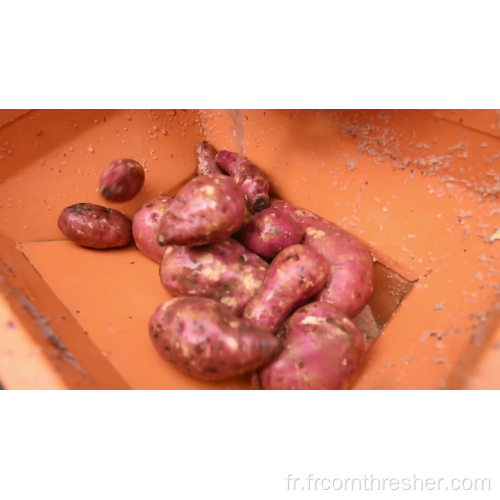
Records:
x=322, y=350
x=295, y=275
x=202, y=339
x=207, y=209
x=350, y=284
x=269, y=232
x=121, y=180
x=205, y=159
x=253, y=182
x=303, y=217
x=145, y=226
x=224, y=271
x=95, y=226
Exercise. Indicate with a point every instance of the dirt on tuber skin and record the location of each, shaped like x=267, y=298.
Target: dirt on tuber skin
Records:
x=200, y=337
x=252, y=180
x=121, y=180
x=95, y=226
x=145, y=224
x=205, y=159
x=295, y=275
x=322, y=350
x=269, y=232
x=207, y=209
x=224, y=271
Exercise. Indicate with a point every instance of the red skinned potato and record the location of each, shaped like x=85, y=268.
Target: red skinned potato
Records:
x=145, y=224
x=352, y=276
x=205, y=159
x=224, y=271
x=322, y=350
x=207, y=209
x=95, y=226
x=200, y=337
x=295, y=275
x=253, y=182
x=121, y=180
x=303, y=217
x=351, y=280
x=269, y=232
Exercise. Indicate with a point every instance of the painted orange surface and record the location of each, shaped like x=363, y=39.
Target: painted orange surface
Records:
x=10, y=115
x=484, y=120
x=419, y=187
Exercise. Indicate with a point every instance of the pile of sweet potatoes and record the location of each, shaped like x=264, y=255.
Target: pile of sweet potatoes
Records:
x=262, y=287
